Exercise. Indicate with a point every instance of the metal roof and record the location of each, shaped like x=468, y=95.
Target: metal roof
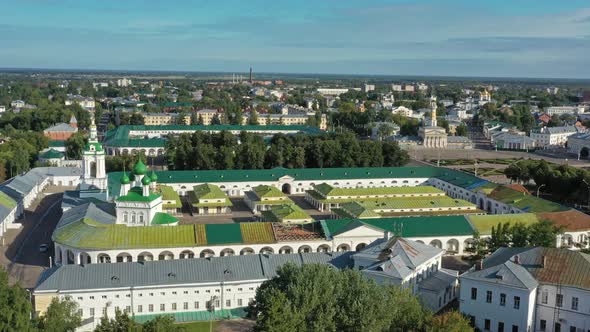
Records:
x=179, y=271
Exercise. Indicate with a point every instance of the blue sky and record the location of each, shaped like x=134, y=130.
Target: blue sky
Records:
x=514, y=38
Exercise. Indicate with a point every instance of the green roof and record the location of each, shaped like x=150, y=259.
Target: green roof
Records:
x=484, y=223
x=404, y=226
x=163, y=219
x=320, y=175
x=414, y=203
x=7, y=201
x=51, y=154
x=169, y=194
x=89, y=234
x=57, y=144
x=357, y=210
x=524, y=201
x=97, y=147
x=328, y=190
x=264, y=191
x=208, y=191
x=279, y=213
x=122, y=136
x=135, y=194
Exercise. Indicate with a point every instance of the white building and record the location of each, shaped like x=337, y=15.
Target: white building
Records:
x=422, y=86
x=554, y=136
x=403, y=111
x=578, y=144
x=559, y=110
x=17, y=104
x=2, y=108
x=332, y=91
x=172, y=287
x=84, y=102
x=124, y=82
x=396, y=87
x=529, y=289
x=412, y=265
x=552, y=90
x=368, y=87
x=97, y=85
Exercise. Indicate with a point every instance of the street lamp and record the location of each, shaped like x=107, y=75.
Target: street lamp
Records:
x=538, y=189
x=211, y=309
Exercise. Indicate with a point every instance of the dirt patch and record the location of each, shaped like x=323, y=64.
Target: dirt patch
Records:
x=235, y=325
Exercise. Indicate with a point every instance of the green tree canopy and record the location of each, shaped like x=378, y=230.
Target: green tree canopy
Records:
x=61, y=316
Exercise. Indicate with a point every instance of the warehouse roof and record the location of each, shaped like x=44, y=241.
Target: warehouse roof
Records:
x=180, y=271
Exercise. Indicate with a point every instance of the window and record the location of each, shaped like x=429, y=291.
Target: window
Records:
x=196, y=304
x=151, y=308
x=474, y=293
x=517, y=302
x=574, y=303
x=572, y=329
x=104, y=311
x=543, y=325
x=228, y=303
x=92, y=297
x=80, y=312
x=185, y=292
x=91, y=312
x=104, y=296
x=162, y=307
x=239, y=302
x=162, y=293
x=503, y=299
x=471, y=320
x=128, y=295
x=559, y=300
x=217, y=304
x=239, y=289
x=514, y=328
x=128, y=309
x=544, y=297
x=500, y=326
x=173, y=293
x=140, y=308
x=173, y=306
x=79, y=297
x=557, y=327
x=117, y=296
x=489, y=296
x=487, y=325
x=185, y=306
x=151, y=294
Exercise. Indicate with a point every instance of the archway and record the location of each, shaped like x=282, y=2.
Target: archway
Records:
x=436, y=244
x=584, y=152
x=227, y=252
x=267, y=250
x=247, y=251
x=93, y=169
x=304, y=249
x=85, y=258
x=207, y=253
x=343, y=247
x=360, y=246
x=124, y=258
x=324, y=248
x=186, y=254
x=165, y=256
x=145, y=257
x=468, y=244
x=286, y=188
x=453, y=246
x=70, y=259
x=482, y=204
x=286, y=250
x=103, y=258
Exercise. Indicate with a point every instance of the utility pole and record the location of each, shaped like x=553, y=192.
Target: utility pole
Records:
x=538, y=189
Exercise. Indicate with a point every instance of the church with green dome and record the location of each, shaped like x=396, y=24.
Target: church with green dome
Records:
x=138, y=204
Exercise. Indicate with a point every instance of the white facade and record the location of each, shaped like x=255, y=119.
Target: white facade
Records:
x=554, y=136
x=332, y=91
x=573, y=311
x=559, y=110
x=403, y=111
x=497, y=312
x=124, y=82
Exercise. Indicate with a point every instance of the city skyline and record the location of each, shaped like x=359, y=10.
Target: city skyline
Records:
x=458, y=38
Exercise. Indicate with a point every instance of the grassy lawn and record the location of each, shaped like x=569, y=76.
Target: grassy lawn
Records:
x=198, y=326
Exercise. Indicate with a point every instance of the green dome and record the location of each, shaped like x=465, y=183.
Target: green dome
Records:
x=154, y=177
x=125, y=179
x=139, y=168
x=146, y=180
x=131, y=176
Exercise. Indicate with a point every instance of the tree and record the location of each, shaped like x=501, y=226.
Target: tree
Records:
x=543, y=234
x=253, y=119
x=75, y=146
x=215, y=120
x=121, y=323
x=318, y=298
x=15, y=306
x=61, y=316
x=450, y=321
x=384, y=130
x=162, y=323
x=461, y=130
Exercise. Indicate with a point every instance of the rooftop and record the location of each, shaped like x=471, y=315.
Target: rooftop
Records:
x=135, y=194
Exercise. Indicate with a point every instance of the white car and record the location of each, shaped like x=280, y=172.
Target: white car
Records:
x=43, y=248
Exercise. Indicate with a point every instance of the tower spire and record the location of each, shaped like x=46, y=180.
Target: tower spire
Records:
x=93, y=132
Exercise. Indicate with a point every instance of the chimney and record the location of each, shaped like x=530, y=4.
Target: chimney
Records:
x=516, y=259
x=544, y=262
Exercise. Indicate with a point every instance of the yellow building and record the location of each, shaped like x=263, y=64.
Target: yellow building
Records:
x=160, y=119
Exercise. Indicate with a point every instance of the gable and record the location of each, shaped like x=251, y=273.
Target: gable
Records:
x=361, y=231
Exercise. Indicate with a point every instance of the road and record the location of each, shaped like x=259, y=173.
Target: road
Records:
x=20, y=252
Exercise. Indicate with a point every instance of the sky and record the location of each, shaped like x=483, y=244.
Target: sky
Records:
x=499, y=38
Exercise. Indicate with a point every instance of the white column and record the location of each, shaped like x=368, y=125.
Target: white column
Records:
x=64, y=256
x=77, y=258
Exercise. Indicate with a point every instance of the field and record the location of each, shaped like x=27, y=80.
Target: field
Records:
x=198, y=326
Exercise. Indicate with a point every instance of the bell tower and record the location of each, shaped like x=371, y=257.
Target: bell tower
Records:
x=94, y=178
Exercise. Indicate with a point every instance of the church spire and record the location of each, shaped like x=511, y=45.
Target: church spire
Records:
x=433, y=111
x=93, y=132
